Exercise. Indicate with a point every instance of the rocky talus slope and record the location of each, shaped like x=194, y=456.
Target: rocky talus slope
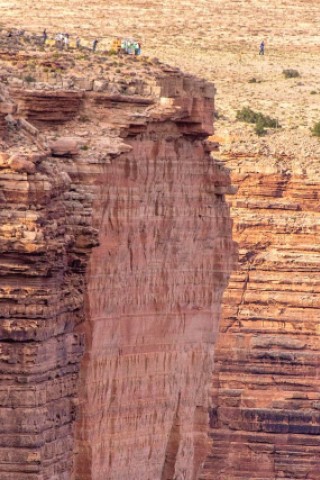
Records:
x=115, y=251
x=266, y=416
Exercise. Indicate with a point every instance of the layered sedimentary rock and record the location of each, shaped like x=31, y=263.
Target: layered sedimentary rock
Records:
x=123, y=162
x=43, y=256
x=154, y=291
x=266, y=418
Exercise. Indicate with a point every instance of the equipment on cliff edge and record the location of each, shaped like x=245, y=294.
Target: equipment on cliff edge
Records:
x=126, y=45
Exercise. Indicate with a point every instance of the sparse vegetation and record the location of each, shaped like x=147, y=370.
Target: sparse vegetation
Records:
x=246, y=114
x=261, y=121
x=260, y=129
x=291, y=73
x=315, y=130
x=83, y=119
x=29, y=79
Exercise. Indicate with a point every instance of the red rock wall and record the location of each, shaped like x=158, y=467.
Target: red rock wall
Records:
x=145, y=308
x=266, y=419
x=41, y=289
x=154, y=289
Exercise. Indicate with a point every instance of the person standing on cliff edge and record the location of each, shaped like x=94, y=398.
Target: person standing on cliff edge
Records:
x=44, y=36
x=261, y=51
x=94, y=45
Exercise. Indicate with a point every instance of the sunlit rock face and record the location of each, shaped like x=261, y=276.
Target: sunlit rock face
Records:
x=115, y=251
x=265, y=421
x=154, y=288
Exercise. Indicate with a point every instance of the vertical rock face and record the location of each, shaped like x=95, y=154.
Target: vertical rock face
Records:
x=135, y=175
x=154, y=289
x=41, y=291
x=266, y=421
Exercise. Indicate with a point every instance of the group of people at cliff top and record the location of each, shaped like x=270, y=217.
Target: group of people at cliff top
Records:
x=62, y=41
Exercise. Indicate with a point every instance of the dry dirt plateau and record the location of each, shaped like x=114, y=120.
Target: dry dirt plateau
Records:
x=264, y=410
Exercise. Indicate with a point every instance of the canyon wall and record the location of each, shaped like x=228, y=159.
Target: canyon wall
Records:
x=41, y=302
x=115, y=251
x=154, y=289
x=266, y=416
x=43, y=256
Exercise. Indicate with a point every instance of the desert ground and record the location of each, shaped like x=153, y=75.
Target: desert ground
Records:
x=218, y=40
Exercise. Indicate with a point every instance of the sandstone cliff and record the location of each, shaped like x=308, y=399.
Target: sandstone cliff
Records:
x=115, y=251
x=220, y=42
x=266, y=421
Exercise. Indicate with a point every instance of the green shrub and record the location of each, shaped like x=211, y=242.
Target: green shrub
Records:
x=246, y=115
x=250, y=116
x=313, y=92
x=260, y=129
x=316, y=129
x=261, y=121
x=29, y=79
x=84, y=118
x=291, y=73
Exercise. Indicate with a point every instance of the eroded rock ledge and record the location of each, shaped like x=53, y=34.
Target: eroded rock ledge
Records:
x=115, y=250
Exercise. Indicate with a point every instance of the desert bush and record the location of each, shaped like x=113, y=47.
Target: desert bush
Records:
x=291, y=73
x=316, y=129
x=260, y=129
x=29, y=79
x=84, y=119
x=246, y=114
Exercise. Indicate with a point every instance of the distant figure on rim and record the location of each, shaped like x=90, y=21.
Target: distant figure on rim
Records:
x=66, y=40
x=44, y=35
x=94, y=45
x=261, y=51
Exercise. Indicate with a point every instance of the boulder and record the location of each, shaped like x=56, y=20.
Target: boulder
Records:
x=4, y=157
x=100, y=85
x=64, y=146
x=20, y=163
